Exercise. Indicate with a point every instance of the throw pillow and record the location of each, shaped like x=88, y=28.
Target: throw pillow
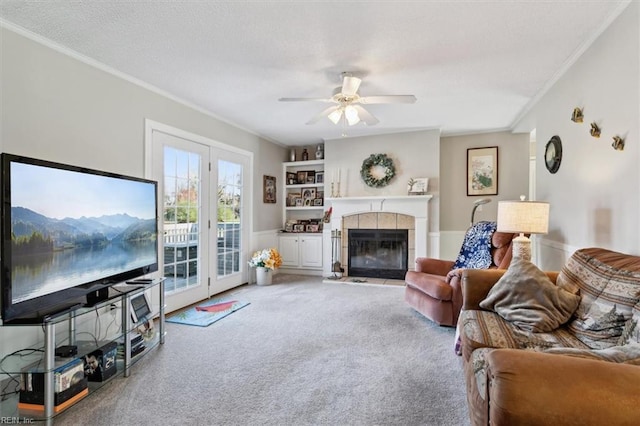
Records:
x=526, y=297
x=609, y=283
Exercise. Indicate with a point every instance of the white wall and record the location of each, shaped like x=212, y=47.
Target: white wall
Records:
x=60, y=109
x=513, y=176
x=595, y=195
x=414, y=154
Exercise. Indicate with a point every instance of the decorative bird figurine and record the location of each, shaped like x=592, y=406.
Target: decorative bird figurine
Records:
x=618, y=143
x=577, y=115
x=595, y=130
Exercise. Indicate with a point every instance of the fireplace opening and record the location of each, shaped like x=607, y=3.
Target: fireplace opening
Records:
x=378, y=253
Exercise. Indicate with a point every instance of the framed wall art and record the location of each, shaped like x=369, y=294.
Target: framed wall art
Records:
x=482, y=171
x=269, y=189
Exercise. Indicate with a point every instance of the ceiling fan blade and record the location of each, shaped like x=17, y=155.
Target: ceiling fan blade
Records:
x=323, y=114
x=388, y=99
x=366, y=116
x=306, y=99
x=350, y=85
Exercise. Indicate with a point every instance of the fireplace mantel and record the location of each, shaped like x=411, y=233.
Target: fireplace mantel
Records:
x=414, y=205
x=411, y=205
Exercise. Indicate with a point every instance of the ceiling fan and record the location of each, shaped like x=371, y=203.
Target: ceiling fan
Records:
x=349, y=103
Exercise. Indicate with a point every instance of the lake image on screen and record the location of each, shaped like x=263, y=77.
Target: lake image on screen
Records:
x=71, y=228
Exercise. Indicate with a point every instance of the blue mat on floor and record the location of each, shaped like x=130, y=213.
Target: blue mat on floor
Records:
x=207, y=313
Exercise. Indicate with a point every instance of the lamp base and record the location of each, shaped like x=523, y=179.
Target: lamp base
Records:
x=522, y=247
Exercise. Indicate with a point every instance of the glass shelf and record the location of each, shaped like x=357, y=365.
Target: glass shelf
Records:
x=76, y=321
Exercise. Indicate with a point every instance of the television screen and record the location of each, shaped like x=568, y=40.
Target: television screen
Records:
x=68, y=231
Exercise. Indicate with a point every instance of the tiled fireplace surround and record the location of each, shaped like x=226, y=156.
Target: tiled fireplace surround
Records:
x=398, y=212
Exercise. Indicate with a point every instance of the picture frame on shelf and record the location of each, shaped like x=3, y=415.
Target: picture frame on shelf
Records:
x=288, y=227
x=308, y=194
x=292, y=178
x=269, y=189
x=301, y=177
x=312, y=228
x=482, y=171
x=311, y=177
x=418, y=186
x=298, y=227
x=298, y=202
x=320, y=177
x=291, y=198
x=318, y=201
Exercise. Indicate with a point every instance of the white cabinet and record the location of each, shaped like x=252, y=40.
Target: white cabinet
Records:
x=301, y=251
x=289, y=250
x=311, y=251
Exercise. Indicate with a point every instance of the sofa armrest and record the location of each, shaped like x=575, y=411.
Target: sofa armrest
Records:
x=536, y=388
x=433, y=266
x=476, y=284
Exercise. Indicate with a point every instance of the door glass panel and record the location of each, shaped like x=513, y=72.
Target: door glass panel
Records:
x=229, y=210
x=182, y=206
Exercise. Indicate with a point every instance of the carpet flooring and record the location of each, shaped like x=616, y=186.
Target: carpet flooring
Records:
x=303, y=352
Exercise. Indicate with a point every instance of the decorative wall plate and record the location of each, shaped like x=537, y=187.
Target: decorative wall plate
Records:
x=553, y=154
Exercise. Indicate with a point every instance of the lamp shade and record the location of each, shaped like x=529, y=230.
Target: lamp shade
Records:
x=527, y=217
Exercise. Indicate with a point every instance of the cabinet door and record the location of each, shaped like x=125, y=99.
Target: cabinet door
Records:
x=311, y=251
x=289, y=250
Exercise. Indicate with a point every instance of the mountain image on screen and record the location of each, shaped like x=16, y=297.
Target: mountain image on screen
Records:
x=51, y=253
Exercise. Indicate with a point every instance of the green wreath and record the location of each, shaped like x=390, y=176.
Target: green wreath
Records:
x=380, y=160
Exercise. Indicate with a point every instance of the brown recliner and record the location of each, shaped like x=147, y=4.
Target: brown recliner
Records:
x=434, y=288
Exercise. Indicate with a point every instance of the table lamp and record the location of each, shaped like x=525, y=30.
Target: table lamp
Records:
x=523, y=217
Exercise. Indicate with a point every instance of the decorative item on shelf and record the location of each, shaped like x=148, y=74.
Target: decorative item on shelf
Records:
x=595, y=130
x=327, y=215
x=417, y=186
x=319, y=152
x=320, y=177
x=308, y=195
x=292, y=154
x=305, y=155
x=377, y=170
x=269, y=189
x=482, y=171
x=523, y=217
x=577, y=115
x=553, y=154
x=335, y=184
x=265, y=261
x=618, y=143
x=292, y=178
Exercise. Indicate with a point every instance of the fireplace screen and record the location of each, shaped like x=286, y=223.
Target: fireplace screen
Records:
x=378, y=253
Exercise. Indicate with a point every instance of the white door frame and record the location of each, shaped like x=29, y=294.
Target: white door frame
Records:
x=152, y=126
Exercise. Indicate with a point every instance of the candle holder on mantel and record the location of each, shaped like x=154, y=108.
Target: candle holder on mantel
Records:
x=335, y=190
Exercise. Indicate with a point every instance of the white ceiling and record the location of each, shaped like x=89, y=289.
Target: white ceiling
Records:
x=473, y=65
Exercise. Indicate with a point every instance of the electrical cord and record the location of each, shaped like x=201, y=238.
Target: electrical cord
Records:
x=12, y=378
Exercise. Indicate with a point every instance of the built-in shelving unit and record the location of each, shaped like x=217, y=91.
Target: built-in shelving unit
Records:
x=303, y=189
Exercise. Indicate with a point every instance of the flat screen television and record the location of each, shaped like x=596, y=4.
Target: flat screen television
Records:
x=68, y=232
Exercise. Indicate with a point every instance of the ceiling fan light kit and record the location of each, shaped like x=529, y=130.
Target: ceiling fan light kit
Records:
x=349, y=108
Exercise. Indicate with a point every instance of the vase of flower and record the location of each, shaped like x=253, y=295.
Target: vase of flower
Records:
x=264, y=276
x=265, y=261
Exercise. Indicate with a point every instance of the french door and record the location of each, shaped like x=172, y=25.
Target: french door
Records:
x=204, y=213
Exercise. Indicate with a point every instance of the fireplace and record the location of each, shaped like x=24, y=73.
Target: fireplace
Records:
x=378, y=253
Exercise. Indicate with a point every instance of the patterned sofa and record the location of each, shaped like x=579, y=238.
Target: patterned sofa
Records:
x=579, y=366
